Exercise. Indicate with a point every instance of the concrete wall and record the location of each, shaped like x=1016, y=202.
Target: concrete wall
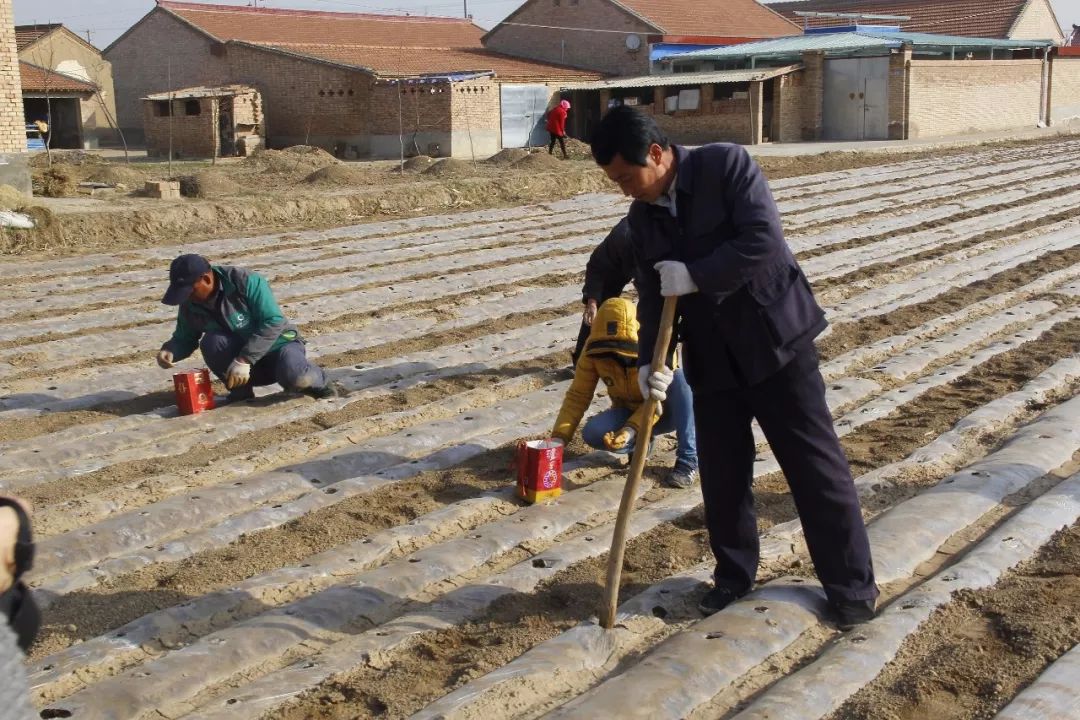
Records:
x=14, y=170
x=1064, y=89
x=968, y=96
x=1036, y=22
x=60, y=51
x=605, y=52
x=193, y=136
x=160, y=53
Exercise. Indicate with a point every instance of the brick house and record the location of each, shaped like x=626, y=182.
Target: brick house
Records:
x=14, y=160
x=56, y=48
x=617, y=36
x=355, y=84
x=999, y=19
x=204, y=122
x=63, y=101
x=878, y=83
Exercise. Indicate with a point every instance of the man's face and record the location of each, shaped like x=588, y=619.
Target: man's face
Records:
x=641, y=182
x=203, y=287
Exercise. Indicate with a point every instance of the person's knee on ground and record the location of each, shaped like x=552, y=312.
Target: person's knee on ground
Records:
x=218, y=351
x=296, y=373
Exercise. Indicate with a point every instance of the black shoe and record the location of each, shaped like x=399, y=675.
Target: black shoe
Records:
x=849, y=613
x=717, y=599
x=244, y=392
x=326, y=392
x=681, y=477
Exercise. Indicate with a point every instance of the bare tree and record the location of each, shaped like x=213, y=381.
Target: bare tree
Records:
x=105, y=111
x=47, y=83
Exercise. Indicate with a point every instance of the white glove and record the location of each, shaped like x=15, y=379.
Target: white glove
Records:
x=654, y=384
x=238, y=374
x=165, y=359
x=675, y=279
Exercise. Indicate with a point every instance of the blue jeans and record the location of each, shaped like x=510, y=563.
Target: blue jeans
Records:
x=678, y=417
x=287, y=366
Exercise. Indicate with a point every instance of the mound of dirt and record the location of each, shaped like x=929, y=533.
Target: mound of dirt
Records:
x=335, y=175
x=208, y=184
x=507, y=156
x=538, y=162
x=578, y=150
x=11, y=199
x=42, y=216
x=118, y=174
x=57, y=181
x=296, y=160
x=420, y=163
x=450, y=167
x=65, y=157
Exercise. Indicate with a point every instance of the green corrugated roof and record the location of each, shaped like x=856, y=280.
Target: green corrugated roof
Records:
x=843, y=42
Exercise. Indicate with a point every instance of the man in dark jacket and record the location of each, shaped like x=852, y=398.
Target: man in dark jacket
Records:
x=610, y=267
x=230, y=314
x=706, y=229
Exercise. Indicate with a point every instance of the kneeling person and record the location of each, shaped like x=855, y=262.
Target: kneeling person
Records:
x=611, y=355
x=231, y=316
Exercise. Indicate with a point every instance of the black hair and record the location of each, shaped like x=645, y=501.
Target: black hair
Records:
x=628, y=132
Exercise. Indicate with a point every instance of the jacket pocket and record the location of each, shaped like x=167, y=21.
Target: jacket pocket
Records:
x=786, y=305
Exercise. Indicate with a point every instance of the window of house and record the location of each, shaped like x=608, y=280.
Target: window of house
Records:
x=192, y=107
x=161, y=108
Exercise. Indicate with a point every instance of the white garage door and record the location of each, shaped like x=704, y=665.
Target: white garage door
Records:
x=524, y=108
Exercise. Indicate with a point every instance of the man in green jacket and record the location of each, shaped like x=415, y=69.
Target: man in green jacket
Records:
x=230, y=314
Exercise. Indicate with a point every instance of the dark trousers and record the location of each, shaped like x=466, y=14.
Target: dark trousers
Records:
x=562, y=144
x=790, y=407
x=287, y=366
x=579, y=346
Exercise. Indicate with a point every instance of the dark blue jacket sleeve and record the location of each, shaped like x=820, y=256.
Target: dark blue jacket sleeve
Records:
x=752, y=213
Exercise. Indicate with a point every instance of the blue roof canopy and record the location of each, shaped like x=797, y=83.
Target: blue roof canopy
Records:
x=855, y=42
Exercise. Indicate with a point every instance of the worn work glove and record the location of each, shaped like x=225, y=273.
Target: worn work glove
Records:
x=238, y=374
x=165, y=359
x=675, y=278
x=590, y=313
x=619, y=439
x=654, y=384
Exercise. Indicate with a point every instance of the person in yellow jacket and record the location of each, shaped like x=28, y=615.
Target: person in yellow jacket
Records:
x=611, y=356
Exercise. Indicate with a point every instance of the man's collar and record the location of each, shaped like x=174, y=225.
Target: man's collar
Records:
x=684, y=181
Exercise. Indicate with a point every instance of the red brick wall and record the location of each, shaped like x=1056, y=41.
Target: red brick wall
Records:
x=160, y=47
x=193, y=136
x=305, y=100
x=603, y=51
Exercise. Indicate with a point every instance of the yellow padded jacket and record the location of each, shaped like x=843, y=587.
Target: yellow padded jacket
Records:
x=611, y=355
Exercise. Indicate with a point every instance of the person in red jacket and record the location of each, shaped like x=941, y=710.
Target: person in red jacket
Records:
x=556, y=125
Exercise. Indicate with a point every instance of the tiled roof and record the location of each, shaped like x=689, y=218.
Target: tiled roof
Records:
x=38, y=79
x=272, y=25
x=391, y=62
x=730, y=18
x=29, y=34
x=973, y=18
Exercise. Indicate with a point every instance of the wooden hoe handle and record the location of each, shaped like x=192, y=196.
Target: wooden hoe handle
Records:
x=637, y=466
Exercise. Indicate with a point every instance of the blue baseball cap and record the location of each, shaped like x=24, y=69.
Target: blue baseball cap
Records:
x=183, y=273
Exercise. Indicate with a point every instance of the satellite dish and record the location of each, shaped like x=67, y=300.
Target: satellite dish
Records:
x=633, y=43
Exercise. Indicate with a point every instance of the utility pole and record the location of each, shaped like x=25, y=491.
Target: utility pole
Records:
x=466, y=2
x=88, y=36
